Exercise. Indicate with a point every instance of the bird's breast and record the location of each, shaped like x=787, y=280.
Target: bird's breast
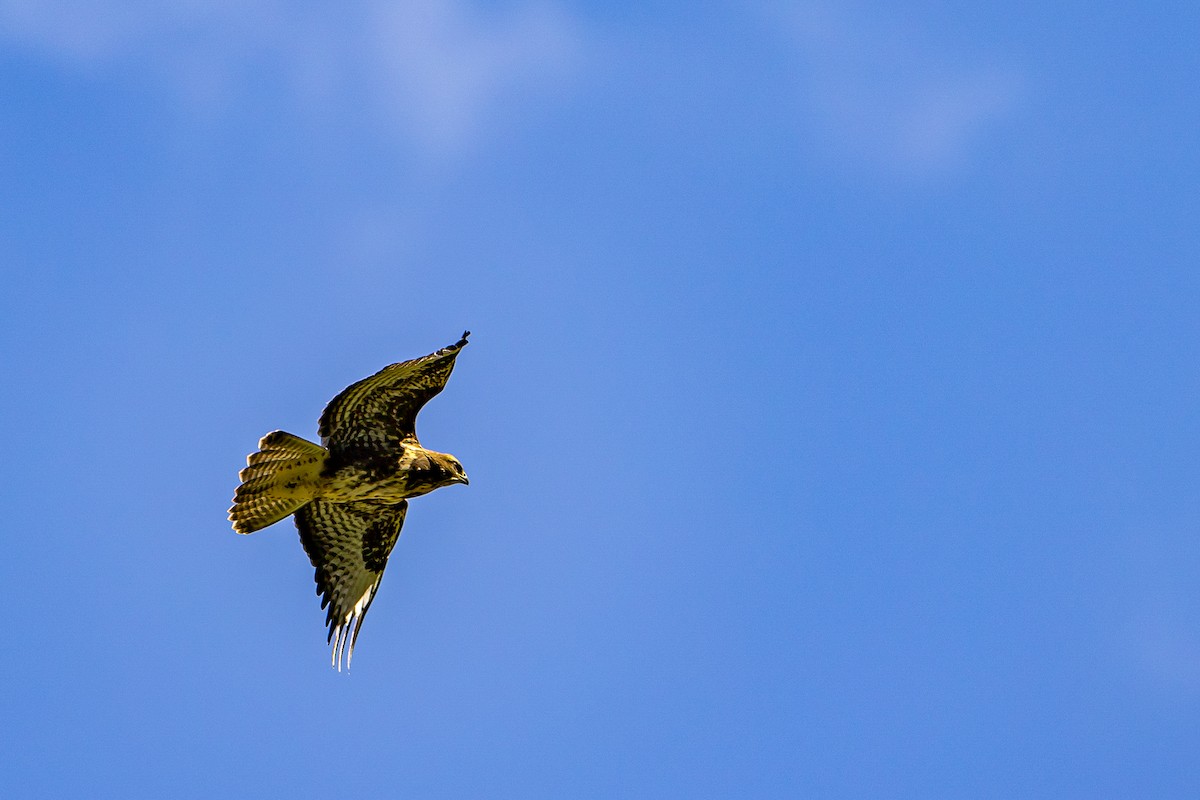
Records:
x=385, y=477
x=352, y=483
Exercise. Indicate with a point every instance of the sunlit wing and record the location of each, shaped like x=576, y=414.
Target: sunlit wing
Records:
x=383, y=408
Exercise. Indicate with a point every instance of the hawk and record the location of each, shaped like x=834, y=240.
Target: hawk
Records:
x=350, y=493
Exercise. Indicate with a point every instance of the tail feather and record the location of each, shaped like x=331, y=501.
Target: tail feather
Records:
x=280, y=478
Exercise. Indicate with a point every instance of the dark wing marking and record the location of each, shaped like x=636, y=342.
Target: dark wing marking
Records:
x=382, y=409
x=349, y=544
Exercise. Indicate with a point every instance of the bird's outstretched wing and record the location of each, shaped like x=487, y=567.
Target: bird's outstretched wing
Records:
x=382, y=409
x=349, y=544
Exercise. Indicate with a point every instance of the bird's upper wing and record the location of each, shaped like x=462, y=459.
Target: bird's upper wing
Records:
x=349, y=544
x=383, y=408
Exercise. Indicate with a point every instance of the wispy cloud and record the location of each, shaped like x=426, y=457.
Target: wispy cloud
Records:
x=880, y=92
x=434, y=70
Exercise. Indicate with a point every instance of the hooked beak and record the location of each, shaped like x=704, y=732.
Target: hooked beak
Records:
x=463, y=479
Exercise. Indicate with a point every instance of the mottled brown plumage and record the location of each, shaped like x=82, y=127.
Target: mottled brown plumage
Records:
x=349, y=494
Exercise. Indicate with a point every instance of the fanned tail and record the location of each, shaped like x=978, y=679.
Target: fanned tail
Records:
x=280, y=478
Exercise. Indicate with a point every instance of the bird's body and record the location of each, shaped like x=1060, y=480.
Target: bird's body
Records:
x=350, y=493
x=395, y=474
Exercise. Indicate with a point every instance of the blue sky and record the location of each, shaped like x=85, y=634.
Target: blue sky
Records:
x=830, y=409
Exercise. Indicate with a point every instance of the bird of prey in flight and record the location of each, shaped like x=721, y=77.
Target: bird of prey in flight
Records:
x=350, y=493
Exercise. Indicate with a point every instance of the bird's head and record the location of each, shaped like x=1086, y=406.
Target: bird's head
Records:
x=450, y=468
x=427, y=470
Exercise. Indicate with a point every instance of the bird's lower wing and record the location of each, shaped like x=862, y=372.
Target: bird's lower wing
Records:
x=348, y=544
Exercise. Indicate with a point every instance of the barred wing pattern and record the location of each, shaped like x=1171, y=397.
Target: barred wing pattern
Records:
x=349, y=544
x=383, y=408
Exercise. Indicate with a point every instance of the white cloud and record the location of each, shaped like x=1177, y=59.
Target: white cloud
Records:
x=879, y=92
x=450, y=66
x=436, y=70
